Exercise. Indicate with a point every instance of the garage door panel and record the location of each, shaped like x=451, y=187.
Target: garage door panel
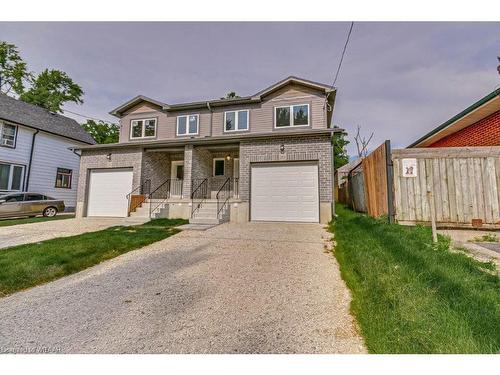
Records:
x=108, y=189
x=285, y=192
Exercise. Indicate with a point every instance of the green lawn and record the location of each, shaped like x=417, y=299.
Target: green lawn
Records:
x=412, y=297
x=27, y=220
x=25, y=266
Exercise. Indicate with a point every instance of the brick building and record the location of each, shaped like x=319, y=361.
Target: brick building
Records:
x=477, y=125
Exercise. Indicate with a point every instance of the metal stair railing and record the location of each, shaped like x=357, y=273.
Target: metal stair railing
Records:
x=161, y=192
x=143, y=189
x=200, y=193
x=223, y=195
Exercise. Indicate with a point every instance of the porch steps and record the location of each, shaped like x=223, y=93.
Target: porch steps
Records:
x=207, y=214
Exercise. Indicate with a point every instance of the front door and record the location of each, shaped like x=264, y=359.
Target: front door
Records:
x=177, y=176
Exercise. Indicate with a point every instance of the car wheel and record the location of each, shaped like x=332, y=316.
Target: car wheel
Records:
x=50, y=212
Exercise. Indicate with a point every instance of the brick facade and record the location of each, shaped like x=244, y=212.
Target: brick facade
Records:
x=485, y=132
x=299, y=148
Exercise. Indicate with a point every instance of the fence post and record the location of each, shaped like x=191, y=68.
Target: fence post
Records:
x=390, y=181
x=433, y=215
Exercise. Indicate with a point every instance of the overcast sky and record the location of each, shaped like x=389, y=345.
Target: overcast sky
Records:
x=398, y=80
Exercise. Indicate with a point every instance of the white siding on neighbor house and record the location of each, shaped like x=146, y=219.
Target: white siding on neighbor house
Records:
x=51, y=152
x=21, y=153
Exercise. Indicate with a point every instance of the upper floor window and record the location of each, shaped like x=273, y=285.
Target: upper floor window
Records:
x=187, y=124
x=63, y=178
x=291, y=115
x=236, y=120
x=144, y=128
x=8, y=135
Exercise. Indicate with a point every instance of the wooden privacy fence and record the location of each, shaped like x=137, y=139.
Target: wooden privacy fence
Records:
x=464, y=182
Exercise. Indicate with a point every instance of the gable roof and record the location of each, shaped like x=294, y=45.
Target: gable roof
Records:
x=469, y=116
x=32, y=116
x=256, y=98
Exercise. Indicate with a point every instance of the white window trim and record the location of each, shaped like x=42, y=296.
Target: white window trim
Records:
x=237, y=121
x=187, y=125
x=11, y=174
x=143, y=131
x=291, y=115
x=2, y=124
x=213, y=167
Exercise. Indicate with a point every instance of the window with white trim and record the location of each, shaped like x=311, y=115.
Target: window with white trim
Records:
x=8, y=135
x=11, y=177
x=236, y=120
x=143, y=128
x=187, y=124
x=291, y=115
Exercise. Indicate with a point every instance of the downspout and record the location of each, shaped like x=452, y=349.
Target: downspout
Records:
x=333, y=178
x=211, y=115
x=31, y=160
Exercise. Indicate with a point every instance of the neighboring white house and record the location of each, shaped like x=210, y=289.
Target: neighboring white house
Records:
x=35, y=152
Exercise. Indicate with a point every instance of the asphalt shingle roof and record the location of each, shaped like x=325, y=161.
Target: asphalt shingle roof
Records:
x=22, y=113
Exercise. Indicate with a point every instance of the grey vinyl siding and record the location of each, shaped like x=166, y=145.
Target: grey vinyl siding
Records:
x=261, y=115
x=51, y=152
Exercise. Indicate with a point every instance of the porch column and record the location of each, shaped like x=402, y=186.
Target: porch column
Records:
x=188, y=171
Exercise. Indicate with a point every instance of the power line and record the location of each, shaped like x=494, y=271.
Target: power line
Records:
x=87, y=117
x=342, y=56
x=340, y=65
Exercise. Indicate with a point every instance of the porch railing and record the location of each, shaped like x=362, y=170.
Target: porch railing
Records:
x=137, y=196
x=223, y=196
x=169, y=188
x=200, y=193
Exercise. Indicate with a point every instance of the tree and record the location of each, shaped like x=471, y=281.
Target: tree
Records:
x=231, y=95
x=51, y=89
x=362, y=143
x=13, y=70
x=339, y=151
x=101, y=131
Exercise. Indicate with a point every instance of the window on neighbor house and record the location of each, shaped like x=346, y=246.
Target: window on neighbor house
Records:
x=145, y=128
x=293, y=115
x=63, y=178
x=187, y=125
x=11, y=177
x=236, y=120
x=218, y=167
x=8, y=135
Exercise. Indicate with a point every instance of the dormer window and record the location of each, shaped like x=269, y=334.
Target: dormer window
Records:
x=291, y=115
x=8, y=135
x=143, y=128
x=187, y=125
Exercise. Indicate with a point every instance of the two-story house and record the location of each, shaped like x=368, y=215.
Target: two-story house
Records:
x=35, y=152
x=264, y=157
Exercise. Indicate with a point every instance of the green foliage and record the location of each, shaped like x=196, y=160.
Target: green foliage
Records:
x=51, y=89
x=488, y=237
x=25, y=266
x=231, y=95
x=13, y=70
x=339, y=151
x=411, y=296
x=101, y=131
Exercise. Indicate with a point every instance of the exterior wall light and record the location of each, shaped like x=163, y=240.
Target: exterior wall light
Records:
x=228, y=157
x=282, y=148
x=108, y=156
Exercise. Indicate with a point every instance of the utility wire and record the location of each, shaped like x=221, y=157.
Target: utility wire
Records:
x=341, y=60
x=87, y=117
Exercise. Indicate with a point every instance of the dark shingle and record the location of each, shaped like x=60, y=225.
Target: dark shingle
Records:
x=36, y=117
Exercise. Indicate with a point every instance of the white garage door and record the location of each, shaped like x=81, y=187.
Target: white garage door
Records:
x=108, y=189
x=285, y=192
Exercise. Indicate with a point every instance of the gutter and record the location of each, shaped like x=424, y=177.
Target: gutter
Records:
x=31, y=160
x=465, y=112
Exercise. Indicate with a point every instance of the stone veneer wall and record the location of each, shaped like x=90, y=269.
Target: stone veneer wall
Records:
x=299, y=148
x=97, y=159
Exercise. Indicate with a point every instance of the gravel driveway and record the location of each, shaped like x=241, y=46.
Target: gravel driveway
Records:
x=27, y=233
x=249, y=288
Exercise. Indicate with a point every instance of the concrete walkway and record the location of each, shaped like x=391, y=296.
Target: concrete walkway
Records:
x=250, y=288
x=35, y=232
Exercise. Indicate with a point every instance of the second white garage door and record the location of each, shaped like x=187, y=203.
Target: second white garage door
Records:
x=108, y=189
x=285, y=192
